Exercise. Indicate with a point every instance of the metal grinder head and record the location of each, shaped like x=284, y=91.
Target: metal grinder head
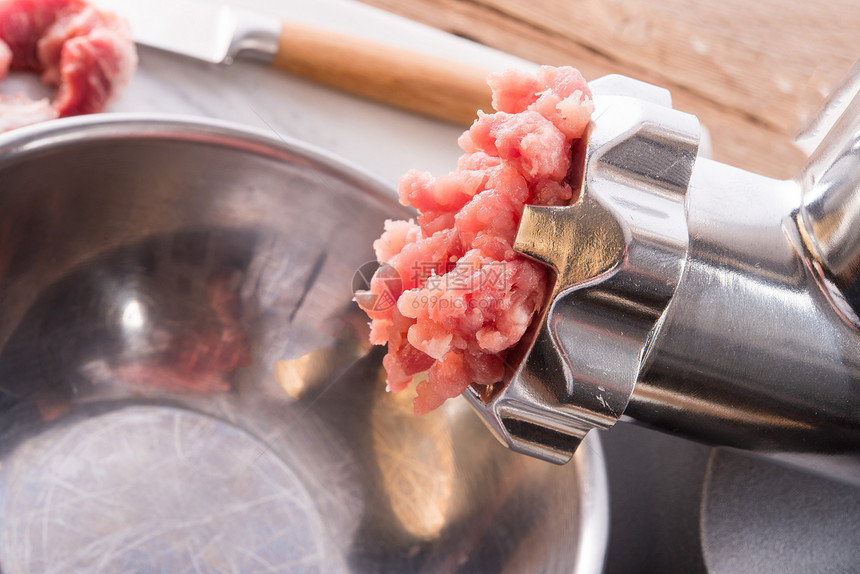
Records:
x=690, y=295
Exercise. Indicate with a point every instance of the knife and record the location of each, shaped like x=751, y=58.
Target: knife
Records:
x=418, y=82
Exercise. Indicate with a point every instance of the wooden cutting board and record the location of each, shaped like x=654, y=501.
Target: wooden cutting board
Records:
x=752, y=71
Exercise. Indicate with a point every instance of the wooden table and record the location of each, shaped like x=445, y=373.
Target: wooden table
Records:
x=753, y=71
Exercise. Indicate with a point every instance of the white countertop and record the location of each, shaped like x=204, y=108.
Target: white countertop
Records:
x=380, y=140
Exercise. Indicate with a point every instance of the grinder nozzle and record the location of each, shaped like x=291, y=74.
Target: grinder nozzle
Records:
x=617, y=255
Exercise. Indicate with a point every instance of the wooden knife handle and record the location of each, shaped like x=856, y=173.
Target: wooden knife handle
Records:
x=425, y=84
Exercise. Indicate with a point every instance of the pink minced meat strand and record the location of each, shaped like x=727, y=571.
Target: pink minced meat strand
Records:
x=88, y=54
x=452, y=296
x=18, y=111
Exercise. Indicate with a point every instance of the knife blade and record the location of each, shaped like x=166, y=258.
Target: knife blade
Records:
x=415, y=81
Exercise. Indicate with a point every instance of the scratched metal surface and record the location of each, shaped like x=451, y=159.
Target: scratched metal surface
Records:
x=156, y=486
x=186, y=385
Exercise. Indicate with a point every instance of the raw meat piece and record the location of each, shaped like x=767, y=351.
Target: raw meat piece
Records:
x=88, y=54
x=24, y=22
x=452, y=297
x=5, y=59
x=19, y=110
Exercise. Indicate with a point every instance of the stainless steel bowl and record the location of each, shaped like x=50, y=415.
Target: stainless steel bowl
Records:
x=187, y=386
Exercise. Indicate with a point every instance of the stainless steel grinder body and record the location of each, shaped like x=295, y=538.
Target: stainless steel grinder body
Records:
x=693, y=296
